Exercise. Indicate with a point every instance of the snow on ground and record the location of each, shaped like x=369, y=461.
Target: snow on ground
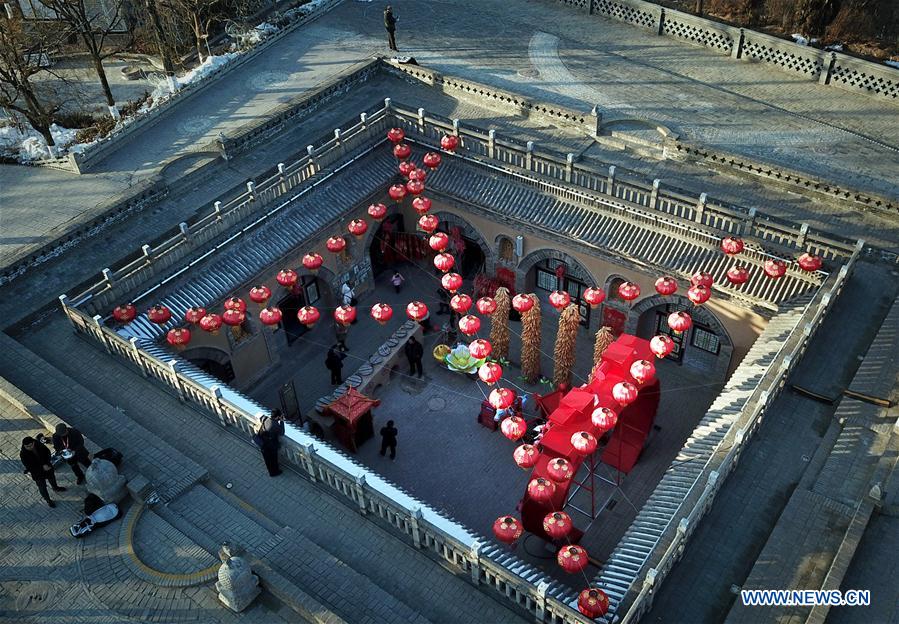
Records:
x=799, y=39
x=30, y=145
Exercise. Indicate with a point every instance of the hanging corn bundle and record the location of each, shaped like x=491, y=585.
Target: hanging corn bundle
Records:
x=563, y=356
x=604, y=338
x=499, y=324
x=530, y=342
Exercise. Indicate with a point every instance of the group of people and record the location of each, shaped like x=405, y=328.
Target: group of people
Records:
x=38, y=462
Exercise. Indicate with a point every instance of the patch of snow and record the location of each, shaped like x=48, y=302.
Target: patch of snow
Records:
x=260, y=33
x=208, y=66
x=835, y=47
x=892, y=63
x=30, y=145
x=799, y=39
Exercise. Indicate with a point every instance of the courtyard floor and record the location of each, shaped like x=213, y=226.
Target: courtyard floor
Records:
x=447, y=459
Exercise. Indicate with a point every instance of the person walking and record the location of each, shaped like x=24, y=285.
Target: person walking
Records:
x=69, y=438
x=340, y=332
x=35, y=458
x=388, y=439
x=270, y=430
x=334, y=363
x=390, y=24
x=397, y=281
x=347, y=296
x=414, y=352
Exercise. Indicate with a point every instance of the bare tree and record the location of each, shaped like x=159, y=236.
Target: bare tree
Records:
x=93, y=22
x=24, y=53
x=201, y=14
x=164, y=52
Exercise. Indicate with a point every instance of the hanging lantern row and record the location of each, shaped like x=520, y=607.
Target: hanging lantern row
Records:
x=807, y=262
x=526, y=456
x=428, y=223
x=594, y=296
x=701, y=278
x=666, y=285
x=604, y=419
x=381, y=312
x=680, y=321
x=417, y=175
x=593, y=602
x=313, y=261
x=345, y=314
x=643, y=371
x=469, y=324
x=501, y=398
x=461, y=303
x=490, y=373
x=486, y=305
x=513, y=427
x=480, y=349
x=406, y=167
x=444, y=262
x=699, y=294
x=559, y=299
x=451, y=282
x=507, y=529
x=377, y=211
x=421, y=205
x=557, y=524
x=438, y=241
x=625, y=392
x=583, y=442
x=559, y=470
x=260, y=294
x=628, y=291
x=572, y=558
x=287, y=278
x=417, y=311
x=270, y=316
x=336, y=244
x=541, y=490
x=661, y=345
x=522, y=303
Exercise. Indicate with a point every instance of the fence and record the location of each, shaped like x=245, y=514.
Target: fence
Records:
x=827, y=68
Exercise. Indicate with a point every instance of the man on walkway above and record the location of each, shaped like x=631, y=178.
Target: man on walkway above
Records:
x=69, y=438
x=390, y=25
x=36, y=460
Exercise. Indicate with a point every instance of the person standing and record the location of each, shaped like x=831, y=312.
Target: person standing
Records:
x=443, y=300
x=340, y=332
x=69, y=438
x=35, y=458
x=347, y=295
x=397, y=281
x=334, y=363
x=390, y=25
x=388, y=439
x=414, y=352
x=270, y=430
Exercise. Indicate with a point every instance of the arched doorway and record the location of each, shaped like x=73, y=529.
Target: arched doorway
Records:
x=385, y=247
x=466, y=243
x=706, y=346
x=310, y=290
x=211, y=361
x=547, y=270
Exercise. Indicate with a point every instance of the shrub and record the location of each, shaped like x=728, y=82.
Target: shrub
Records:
x=77, y=119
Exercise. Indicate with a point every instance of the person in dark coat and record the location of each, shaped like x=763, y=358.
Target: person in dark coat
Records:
x=36, y=460
x=443, y=298
x=414, y=352
x=71, y=439
x=334, y=362
x=388, y=439
x=271, y=430
x=390, y=25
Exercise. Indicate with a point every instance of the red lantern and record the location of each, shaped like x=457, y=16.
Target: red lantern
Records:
x=431, y=160
x=775, y=269
x=377, y=211
x=396, y=135
x=178, y=337
x=593, y=603
x=313, y=261
x=211, y=323
x=469, y=324
x=486, y=305
x=698, y=294
x=124, y=313
x=159, y=314
x=444, y=262
x=308, y=315
x=501, y=398
x=507, y=529
x=233, y=317
x=604, y=419
x=541, y=490
x=680, y=321
x=415, y=187
x=417, y=311
x=583, y=442
x=526, y=456
x=513, y=427
x=449, y=142
x=737, y=275
x=357, y=227
x=480, y=349
x=421, y=204
x=270, y=316
x=451, y=282
x=438, y=241
x=406, y=167
x=628, y=291
x=731, y=246
x=345, y=314
x=522, y=303
x=573, y=558
x=336, y=244
x=381, y=312
x=559, y=469
x=594, y=296
x=402, y=151
x=490, y=373
x=643, y=371
x=624, y=392
x=559, y=299
x=460, y=303
x=260, y=294
x=194, y=314
x=397, y=192
x=418, y=174
x=666, y=285
x=235, y=303
x=701, y=278
x=808, y=262
x=428, y=223
x=557, y=524
x=287, y=278
x=661, y=345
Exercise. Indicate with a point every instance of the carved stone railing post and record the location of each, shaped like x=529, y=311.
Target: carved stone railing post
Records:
x=474, y=558
x=360, y=494
x=282, y=178
x=529, y=156
x=98, y=330
x=137, y=356
x=700, y=208
x=654, y=196
x=610, y=181
x=414, y=517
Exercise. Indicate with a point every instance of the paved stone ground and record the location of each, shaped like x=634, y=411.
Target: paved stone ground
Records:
x=729, y=539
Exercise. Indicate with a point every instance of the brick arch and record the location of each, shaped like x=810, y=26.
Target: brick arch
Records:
x=449, y=220
x=574, y=268
x=700, y=314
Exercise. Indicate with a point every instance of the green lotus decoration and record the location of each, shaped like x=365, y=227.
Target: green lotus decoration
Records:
x=460, y=361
